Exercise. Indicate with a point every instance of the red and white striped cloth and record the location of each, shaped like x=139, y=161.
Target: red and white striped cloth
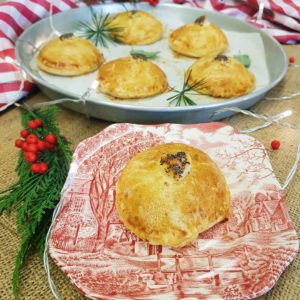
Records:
x=280, y=19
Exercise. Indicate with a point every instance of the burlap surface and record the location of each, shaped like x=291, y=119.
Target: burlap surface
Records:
x=77, y=127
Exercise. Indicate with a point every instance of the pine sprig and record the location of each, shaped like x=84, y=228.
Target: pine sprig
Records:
x=98, y=30
x=35, y=196
x=147, y=54
x=182, y=97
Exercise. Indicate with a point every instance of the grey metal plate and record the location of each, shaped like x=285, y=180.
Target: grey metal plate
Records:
x=67, y=22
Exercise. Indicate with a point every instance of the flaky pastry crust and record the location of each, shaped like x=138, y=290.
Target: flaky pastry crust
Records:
x=69, y=57
x=131, y=78
x=170, y=193
x=196, y=40
x=223, y=76
x=135, y=28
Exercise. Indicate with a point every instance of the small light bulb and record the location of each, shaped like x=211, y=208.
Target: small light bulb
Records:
x=9, y=59
x=286, y=113
x=94, y=84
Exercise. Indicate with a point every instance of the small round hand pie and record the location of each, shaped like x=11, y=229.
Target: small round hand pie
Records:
x=131, y=77
x=170, y=193
x=198, y=39
x=222, y=76
x=135, y=28
x=71, y=56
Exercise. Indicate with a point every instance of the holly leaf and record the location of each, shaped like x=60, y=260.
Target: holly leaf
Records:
x=243, y=59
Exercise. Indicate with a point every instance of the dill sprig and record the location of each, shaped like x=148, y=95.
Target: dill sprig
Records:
x=182, y=97
x=98, y=30
x=34, y=196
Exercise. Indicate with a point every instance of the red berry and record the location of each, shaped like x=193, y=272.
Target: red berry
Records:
x=32, y=124
x=51, y=138
x=35, y=168
x=38, y=122
x=292, y=59
x=43, y=167
x=19, y=143
x=42, y=145
x=24, y=133
x=153, y=2
x=32, y=138
x=25, y=146
x=49, y=146
x=32, y=147
x=30, y=156
x=275, y=144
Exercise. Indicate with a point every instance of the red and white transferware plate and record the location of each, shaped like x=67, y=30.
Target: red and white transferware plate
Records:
x=241, y=258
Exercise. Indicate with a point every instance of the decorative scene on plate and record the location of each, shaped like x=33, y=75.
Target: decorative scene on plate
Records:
x=93, y=248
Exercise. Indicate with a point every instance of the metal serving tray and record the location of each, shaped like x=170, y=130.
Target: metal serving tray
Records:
x=116, y=111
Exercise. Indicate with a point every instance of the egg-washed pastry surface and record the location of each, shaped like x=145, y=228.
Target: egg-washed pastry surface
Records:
x=170, y=193
x=135, y=28
x=223, y=77
x=198, y=39
x=71, y=56
x=131, y=77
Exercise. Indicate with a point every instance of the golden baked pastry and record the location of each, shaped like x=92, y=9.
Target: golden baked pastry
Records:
x=198, y=39
x=135, y=28
x=170, y=193
x=69, y=56
x=131, y=77
x=223, y=77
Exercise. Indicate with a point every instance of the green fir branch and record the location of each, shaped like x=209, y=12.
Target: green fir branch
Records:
x=182, y=97
x=98, y=30
x=25, y=246
x=147, y=54
x=35, y=196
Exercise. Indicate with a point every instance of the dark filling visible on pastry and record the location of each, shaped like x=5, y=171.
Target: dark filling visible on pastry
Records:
x=200, y=20
x=174, y=163
x=222, y=58
x=139, y=56
x=66, y=36
x=133, y=12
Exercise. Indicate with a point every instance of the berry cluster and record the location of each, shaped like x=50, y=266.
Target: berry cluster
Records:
x=33, y=146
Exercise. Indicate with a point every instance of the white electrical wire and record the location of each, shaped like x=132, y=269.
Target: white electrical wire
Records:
x=46, y=257
x=278, y=117
x=287, y=97
x=267, y=119
x=292, y=170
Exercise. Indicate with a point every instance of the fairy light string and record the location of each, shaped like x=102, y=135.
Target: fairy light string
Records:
x=83, y=98
x=268, y=121
x=289, y=96
x=46, y=256
x=293, y=169
x=51, y=23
